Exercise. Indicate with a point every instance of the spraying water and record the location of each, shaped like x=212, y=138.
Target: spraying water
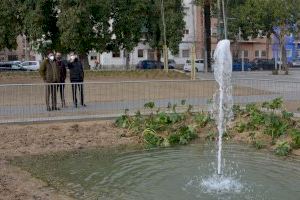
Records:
x=223, y=102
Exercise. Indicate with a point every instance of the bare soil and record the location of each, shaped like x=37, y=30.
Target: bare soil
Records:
x=20, y=140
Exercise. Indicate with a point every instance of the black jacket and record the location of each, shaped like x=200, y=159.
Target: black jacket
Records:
x=76, y=71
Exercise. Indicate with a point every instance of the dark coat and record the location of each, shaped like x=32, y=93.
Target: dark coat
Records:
x=62, y=70
x=76, y=71
x=49, y=72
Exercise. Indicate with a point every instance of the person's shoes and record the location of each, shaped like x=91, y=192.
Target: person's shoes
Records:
x=49, y=109
x=84, y=105
x=75, y=105
x=55, y=108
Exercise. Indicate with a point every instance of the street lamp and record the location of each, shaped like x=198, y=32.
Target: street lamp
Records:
x=165, y=48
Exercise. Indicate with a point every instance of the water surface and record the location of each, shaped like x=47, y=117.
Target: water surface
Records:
x=180, y=173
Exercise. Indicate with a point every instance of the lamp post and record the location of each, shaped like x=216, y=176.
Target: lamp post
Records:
x=224, y=19
x=165, y=48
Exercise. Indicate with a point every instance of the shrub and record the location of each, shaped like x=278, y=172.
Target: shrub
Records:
x=123, y=121
x=295, y=138
x=259, y=144
x=283, y=148
x=151, y=138
x=183, y=136
x=202, y=119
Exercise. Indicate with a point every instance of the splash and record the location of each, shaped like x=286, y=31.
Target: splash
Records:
x=222, y=107
x=220, y=185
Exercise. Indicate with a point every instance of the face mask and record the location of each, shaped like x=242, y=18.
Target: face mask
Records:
x=72, y=57
x=51, y=58
x=58, y=58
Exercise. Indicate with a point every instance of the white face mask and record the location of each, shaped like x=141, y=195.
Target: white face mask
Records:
x=51, y=58
x=72, y=57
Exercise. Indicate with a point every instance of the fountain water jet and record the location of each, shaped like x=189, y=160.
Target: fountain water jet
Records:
x=222, y=107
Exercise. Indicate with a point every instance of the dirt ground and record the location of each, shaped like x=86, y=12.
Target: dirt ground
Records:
x=19, y=140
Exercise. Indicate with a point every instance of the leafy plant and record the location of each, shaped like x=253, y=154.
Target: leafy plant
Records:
x=295, y=138
x=241, y=127
x=149, y=105
x=283, y=148
x=275, y=126
x=287, y=115
x=183, y=136
x=151, y=138
x=123, y=121
x=202, y=119
x=259, y=144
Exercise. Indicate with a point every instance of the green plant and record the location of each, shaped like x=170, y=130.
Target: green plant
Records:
x=275, y=126
x=287, y=115
x=283, y=148
x=241, y=127
x=183, y=102
x=295, y=138
x=183, y=135
x=149, y=105
x=123, y=121
x=211, y=136
x=202, y=119
x=274, y=104
x=259, y=144
x=151, y=138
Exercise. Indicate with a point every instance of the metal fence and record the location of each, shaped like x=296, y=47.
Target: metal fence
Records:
x=26, y=102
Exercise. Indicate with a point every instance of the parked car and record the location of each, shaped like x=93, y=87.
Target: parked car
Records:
x=296, y=63
x=149, y=64
x=10, y=66
x=30, y=65
x=171, y=64
x=237, y=65
x=199, y=65
x=263, y=64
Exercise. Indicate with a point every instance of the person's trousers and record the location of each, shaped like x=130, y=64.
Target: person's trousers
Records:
x=51, y=93
x=61, y=89
x=77, y=86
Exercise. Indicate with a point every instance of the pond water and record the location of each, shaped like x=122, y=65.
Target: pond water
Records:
x=180, y=173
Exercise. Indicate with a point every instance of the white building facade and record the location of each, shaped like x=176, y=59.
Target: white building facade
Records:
x=144, y=51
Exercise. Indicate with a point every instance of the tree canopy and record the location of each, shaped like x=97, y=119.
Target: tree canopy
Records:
x=84, y=25
x=266, y=18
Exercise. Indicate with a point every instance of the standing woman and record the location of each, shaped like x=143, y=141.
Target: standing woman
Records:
x=61, y=67
x=76, y=78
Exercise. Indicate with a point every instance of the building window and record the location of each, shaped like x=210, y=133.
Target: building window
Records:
x=246, y=54
x=298, y=53
x=140, y=53
x=256, y=54
x=12, y=57
x=186, y=31
x=116, y=54
x=186, y=53
x=93, y=57
x=263, y=53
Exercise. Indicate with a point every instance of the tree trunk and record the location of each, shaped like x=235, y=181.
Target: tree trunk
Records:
x=158, y=54
x=283, y=53
x=207, y=26
x=84, y=60
x=127, y=57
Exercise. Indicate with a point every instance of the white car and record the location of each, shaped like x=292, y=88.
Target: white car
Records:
x=30, y=65
x=199, y=65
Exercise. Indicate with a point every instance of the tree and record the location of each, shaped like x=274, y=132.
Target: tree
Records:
x=127, y=24
x=268, y=17
x=39, y=20
x=84, y=25
x=175, y=24
x=10, y=25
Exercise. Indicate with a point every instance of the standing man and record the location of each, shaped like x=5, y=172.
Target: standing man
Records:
x=61, y=66
x=76, y=78
x=49, y=73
